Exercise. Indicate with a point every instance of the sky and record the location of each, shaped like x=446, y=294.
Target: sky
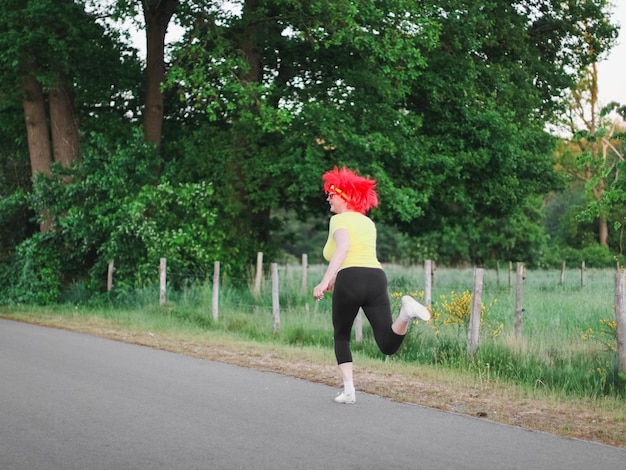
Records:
x=612, y=71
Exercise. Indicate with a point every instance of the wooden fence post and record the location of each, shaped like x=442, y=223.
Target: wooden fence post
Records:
x=110, y=277
x=259, y=274
x=216, y=290
x=474, y=323
x=498, y=274
x=428, y=282
x=582, y=275
x=620, y=320
x=562, y=281
x=358, y=326
x=519, y=310
x=275, y=297
x=305, y=266
x=162, y=280
x=510, y=271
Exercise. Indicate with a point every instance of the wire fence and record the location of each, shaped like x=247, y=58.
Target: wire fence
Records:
x=515, y=278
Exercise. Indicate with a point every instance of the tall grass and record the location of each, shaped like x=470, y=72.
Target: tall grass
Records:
x=566, y=344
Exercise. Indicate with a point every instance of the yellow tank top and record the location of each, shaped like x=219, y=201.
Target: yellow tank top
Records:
x=362, y=234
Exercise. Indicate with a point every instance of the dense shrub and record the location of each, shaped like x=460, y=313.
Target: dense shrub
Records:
x=111, y=208
x=34, y=275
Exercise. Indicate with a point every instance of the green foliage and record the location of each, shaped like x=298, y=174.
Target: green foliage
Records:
x=54, y=39
x=516, y=236
x=489, y=150
x=16, y=227
x=15, y=216
x=444, y=103
x=454, y=132
x=574, y=239
x=605, y=333
x=306, y=112
x=593, y=255
x=166, y=221
x=33, y=277
x=111, y=208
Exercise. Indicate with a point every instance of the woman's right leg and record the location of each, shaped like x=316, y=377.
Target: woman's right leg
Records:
x=345, y=305
x=349, y=392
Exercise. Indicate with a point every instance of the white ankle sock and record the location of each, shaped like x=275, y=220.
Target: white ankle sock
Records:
x=404, y=316
x=348, y=387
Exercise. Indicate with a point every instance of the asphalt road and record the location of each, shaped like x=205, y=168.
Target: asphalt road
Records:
x=73, y=401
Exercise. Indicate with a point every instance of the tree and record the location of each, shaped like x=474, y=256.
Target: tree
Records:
x=37, y=60
x=590, y=154
x=156, y=15
x=57, y=67
x=454, y=93
x=35, y=117
x=50, y=52
x=289, y=88
x=488, y=90
x=64, y=123
x=444, y=103
x=38, y=78
x=15, y=180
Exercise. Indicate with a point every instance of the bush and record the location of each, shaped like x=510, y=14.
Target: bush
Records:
x=594, y=256
x=16, y=226
x=35, y=273
x=114, y=208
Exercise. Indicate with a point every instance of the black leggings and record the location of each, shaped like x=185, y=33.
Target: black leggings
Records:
x=362, y=288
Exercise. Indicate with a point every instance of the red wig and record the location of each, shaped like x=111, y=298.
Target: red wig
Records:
x=357, y=190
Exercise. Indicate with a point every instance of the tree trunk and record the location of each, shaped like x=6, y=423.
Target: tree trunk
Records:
x=157, y=15
x=36, y=126
x=603, y=231
x=251, y=51
x=598, y=194
x=249, y=44
x=65, y=141
x=37, y=133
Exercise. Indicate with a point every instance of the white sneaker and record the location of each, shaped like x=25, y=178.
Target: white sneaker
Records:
x=414, y=309
x=347, y=398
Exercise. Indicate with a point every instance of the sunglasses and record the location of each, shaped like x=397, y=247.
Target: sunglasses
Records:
x=334, y=190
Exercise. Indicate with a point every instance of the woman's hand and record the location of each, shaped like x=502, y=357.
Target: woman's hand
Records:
x=342, y=240
x=322, y=287
x=318, y=291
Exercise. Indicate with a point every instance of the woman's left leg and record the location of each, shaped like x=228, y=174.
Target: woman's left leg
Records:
x=389, y=335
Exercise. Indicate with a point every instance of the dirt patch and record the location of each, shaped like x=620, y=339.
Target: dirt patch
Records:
x=592, y=420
